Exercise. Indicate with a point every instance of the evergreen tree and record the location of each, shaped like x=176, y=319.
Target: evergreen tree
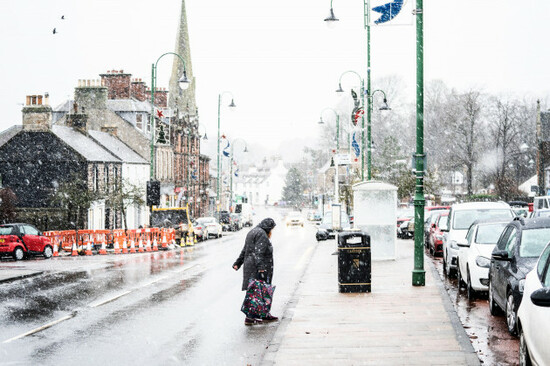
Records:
x=295, y=184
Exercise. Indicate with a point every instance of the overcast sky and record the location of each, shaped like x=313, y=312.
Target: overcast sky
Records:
x=278, y=58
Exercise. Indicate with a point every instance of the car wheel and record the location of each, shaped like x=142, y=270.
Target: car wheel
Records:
x=445, y=267
x=470, y=291
x=431, y=250
x=18, y=254
x=459, y=276
x=524, y=358
x=493, y=307
x=48, y=252
x=511, y=314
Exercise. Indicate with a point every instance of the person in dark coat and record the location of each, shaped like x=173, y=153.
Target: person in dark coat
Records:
x=257, y=258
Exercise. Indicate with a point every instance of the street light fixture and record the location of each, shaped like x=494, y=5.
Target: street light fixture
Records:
x=245, y=150
x=369, y=96
x=331, y=18
x=183, y=83
x=231, y=105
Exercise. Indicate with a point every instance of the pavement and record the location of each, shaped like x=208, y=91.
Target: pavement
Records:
x=395, y=324
x=13, y=274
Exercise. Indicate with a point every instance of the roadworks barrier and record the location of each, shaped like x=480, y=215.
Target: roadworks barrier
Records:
x=92, y=242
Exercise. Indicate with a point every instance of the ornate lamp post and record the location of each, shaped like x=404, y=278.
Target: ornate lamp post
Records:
x=231, y=105
x=360, y=107
x=183, y=83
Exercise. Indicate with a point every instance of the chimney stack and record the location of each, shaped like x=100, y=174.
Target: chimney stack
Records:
x=37, y=116
x=117, y=83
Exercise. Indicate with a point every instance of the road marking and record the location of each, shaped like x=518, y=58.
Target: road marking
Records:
x=303, y=258
x=39, y=329
x=95, y=305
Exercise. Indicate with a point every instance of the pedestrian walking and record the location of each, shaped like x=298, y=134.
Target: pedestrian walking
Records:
x=257, y=260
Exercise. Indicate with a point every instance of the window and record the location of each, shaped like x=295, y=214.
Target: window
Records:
x=464, y=218
x=546, y=281
x=106, y=177
x=504, y=238
x=139, y=121
x=542, y=262
x=29, y=230
x=489, y=234
x=511, y=242
x=96, y=178
x=115, y=177
x=533, y=242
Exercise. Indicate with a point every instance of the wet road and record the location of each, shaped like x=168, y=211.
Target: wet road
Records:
x=488, y=334
x=173, y=307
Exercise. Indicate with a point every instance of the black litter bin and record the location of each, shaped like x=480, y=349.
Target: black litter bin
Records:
x=354, y=267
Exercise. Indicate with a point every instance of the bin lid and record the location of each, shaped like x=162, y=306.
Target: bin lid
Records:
x=373, y=185
x=353, y=239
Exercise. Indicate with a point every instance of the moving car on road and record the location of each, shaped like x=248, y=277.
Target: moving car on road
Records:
x=461, y=216
x=294, y=218
x=23, y=240
x=474, y=256
x=534, y=314
x=327, y=229
x=515, y=255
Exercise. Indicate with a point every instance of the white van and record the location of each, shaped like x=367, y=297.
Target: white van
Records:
x=461, y=216
x=245, y=210
x=541, y=203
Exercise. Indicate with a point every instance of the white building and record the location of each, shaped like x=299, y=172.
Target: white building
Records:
x=262, y=185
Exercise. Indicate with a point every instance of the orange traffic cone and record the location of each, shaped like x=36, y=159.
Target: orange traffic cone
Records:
x=164, y=242
x=140, y=246
x=88, y=249
x=124, y=247
x=117, y=248
x=74, y=251
x=132, y=246
x=55, y=250
x=103, y=249
x=148, y=245
x=155, y=245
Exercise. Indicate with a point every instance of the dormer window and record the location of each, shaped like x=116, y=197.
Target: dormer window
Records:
x=139, y=121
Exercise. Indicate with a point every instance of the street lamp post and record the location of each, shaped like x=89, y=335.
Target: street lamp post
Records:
x=231, y=105
x=231, y=170
x=321, y=122
x=183, y=83
x=369, y=96
x=419, y=274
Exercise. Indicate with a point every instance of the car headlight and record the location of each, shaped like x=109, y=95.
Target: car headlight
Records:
x=483, y=262
x=521, y=286
x=453, y=244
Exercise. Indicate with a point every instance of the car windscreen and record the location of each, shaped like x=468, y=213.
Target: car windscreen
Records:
x=533, y=241
x=464, y=218
x=7, y=230
x=489, y=234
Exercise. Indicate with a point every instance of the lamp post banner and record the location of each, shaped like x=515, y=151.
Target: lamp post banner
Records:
x=391, y=12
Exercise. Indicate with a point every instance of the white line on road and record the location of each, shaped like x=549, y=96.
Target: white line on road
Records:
x=95, y=305
x=303, y=258
x=45, y=326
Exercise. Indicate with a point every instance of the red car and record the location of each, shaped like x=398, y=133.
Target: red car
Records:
x=435, y=237
x=23, y=240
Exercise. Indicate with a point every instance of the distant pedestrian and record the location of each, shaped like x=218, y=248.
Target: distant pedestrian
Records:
x=257, y=258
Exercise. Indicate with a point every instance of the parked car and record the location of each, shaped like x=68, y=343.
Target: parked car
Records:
x=461, y=216
x=209, y=227
x=437, y=234
x=326, y=229
x=429, y=222
x=474, y=256
x=515, y=255
x=245, y=210
x=236, y=222
x=534, y=314
x=403, y=229
x=403, y=215
x=224, y=218
x=23, y=240
x=294, y=218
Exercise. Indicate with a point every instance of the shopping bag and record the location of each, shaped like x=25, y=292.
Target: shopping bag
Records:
x=258, y=298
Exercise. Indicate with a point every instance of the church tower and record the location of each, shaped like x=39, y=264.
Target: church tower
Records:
x=183, y=100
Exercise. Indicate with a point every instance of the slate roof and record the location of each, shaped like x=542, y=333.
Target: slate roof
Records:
x=128, y=105
x=84, y=145
x=7, y=135
x=117, y=147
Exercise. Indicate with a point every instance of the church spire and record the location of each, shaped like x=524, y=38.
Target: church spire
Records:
x=183, y=100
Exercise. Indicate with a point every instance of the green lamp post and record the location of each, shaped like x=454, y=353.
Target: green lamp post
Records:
x=183, y=83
